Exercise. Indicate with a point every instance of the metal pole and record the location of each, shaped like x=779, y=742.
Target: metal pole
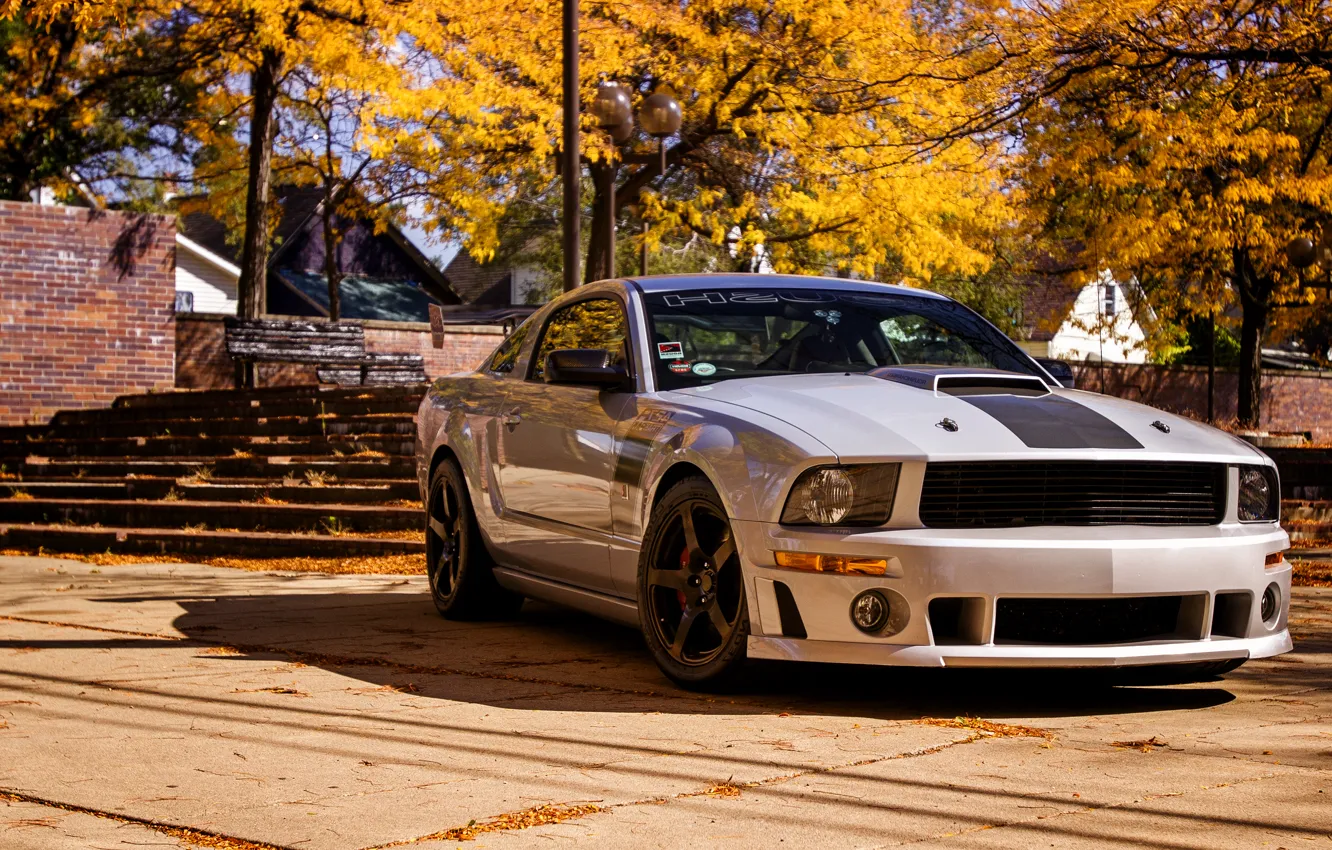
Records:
x=572, y=169
x=643, y=252
x=609, y=271
x=1211, y=367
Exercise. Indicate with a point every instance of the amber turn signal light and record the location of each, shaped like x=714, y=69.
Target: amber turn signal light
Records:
x=1274, y=560
x=844, y=564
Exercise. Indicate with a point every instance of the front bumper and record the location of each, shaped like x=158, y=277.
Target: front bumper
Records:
x=987, y=566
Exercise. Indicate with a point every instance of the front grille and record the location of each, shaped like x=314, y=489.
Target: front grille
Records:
x=1025, y=493
x=1081, y=622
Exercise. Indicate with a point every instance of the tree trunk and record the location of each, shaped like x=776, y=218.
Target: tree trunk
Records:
x=601, y=239
x=332, y=267
x=1255, y=301
x=1252, y=325
x=254, y=247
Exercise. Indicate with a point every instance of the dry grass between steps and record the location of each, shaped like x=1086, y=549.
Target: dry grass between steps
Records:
x=1311, y=573
x=378, y=564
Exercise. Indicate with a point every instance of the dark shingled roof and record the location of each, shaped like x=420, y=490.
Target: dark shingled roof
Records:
x=295, y=203
x=479, y=284
x=388, y=299
x=1046, y=303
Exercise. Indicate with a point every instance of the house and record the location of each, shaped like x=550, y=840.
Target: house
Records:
x=1095, y=322
x=512, y=279
x=386, y=276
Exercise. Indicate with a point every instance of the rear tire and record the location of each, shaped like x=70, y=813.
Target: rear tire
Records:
x=691, y=591
x=462, y=584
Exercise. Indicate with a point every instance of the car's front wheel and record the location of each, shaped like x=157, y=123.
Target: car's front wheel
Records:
x=691, y=590
x=462, y=585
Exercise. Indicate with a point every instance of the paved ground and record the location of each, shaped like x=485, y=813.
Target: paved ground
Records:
x=340, y=712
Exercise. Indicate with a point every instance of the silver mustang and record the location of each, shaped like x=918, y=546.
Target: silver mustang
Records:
x=818, y=469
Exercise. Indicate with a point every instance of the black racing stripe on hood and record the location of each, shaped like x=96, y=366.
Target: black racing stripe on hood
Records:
x=1052, y=422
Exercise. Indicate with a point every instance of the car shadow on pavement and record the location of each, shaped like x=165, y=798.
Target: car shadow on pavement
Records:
x=550, y=658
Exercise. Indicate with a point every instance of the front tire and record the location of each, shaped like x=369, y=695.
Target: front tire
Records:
x=691, y=591
x=462, y=584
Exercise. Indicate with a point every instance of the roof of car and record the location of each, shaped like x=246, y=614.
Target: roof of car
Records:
x=677, y=282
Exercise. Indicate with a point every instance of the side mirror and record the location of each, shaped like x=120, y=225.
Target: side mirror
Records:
x=594, y=367
x=1058, y=369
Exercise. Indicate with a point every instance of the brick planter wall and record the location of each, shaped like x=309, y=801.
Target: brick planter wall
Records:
x=1292, y=400
x=202, y=361
x=86, y=302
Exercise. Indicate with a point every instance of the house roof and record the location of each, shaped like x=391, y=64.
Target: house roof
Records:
x=1046, y=303
x=299, y=209
x=479, y=284
x=363, y=297
x=297, y=206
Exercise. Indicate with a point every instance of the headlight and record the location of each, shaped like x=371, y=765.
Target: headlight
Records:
x=843, y=495
x=1259, y=495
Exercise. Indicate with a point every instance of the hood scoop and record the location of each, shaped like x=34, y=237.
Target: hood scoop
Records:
x=962, y=381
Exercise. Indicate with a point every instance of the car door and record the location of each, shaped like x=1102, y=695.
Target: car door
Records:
x=556, y=452
x=482, y=398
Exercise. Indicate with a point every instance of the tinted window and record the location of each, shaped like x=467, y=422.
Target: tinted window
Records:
x=596, y=323
x=703, y=336
x=506, y=356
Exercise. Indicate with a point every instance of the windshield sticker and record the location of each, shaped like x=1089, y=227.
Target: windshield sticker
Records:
x=680, y=367
x=703, y=370
x=670, y=350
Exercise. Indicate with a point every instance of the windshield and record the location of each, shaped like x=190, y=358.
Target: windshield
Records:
x=702, y=336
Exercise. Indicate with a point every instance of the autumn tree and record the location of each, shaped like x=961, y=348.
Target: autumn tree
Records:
x=1184, y=142
x=323, y=144
x=799, y=134
x=85, y=101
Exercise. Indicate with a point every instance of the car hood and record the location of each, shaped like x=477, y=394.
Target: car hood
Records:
x=864, y=417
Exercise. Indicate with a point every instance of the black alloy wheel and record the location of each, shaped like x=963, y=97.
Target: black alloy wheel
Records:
x=444, y=537
x=691, y=589
x=462, y=584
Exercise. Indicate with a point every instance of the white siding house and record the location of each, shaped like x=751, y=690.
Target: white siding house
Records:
x=1093, y=323
x=210, y=278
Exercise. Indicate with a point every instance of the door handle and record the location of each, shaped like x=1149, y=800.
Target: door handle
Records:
x=513, y=418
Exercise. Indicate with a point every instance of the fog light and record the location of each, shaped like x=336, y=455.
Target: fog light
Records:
x=869, y=611
x=1271, y=605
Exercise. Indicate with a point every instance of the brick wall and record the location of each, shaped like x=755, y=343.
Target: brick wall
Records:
x=1292, y=400
x=86, y=302
x=202, y=361
x=464, y=348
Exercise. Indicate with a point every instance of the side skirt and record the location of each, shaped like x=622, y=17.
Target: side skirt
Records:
x=611, y=608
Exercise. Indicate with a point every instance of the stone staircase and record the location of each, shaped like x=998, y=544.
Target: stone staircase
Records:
x=283, y=472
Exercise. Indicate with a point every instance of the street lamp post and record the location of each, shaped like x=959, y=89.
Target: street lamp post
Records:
x=570, y=153
x=661, y=116
x=1302, y=252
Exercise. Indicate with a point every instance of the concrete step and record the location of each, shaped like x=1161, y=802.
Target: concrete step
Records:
x=334, y=445
x=1307, y=521
x=244, y=409
x=215, y=398
x=216, y=491
x=213, y=515
x=288, y=426
x=340, y=469
x=252, y=544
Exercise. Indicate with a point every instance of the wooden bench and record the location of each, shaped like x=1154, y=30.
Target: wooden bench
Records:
x=376, y=370
x=336, y=349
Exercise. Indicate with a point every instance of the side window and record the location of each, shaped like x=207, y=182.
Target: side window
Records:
x=506, y=356
x=596, y=323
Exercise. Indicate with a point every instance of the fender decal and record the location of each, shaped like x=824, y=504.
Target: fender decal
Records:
x=637, y=445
